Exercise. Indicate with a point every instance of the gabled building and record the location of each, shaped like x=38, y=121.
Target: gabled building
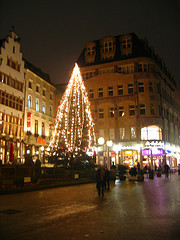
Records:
x=11, y=99
x=134, y=99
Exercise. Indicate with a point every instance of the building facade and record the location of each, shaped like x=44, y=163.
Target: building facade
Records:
x=134, y=100
x=40, y=99
x=11, y=99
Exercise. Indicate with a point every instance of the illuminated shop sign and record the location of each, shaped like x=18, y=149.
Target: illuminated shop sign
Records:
x=154, y=144
x=155, y=151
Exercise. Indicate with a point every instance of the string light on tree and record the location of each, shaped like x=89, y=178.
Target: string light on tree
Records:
x=74, y=126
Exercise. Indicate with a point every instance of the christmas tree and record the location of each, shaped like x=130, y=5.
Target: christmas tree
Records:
x=74, y=127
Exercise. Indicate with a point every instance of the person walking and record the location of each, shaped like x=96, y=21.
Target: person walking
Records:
x=100, y=180
x=166, y=170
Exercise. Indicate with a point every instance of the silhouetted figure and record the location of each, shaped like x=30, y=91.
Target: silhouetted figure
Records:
x=166, y=170
x=107, y=178
x=100, y=180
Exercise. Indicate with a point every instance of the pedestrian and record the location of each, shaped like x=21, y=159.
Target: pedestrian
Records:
x=166, y=170
x=138, y=166
x=100, y=180
x=107, y=178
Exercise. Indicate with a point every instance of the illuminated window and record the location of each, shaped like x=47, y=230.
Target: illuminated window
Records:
x=110, y=91
x=100, y=92
x=133, y=132
x=43, y=107
x=122, y=133
x=151, y=133
x=120, y=90
x=121, y=111
x=29, y=101
x=37, y=105
x=101, y=113
x=111, y=112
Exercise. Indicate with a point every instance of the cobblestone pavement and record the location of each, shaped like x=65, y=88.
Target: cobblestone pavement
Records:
x=130, y=210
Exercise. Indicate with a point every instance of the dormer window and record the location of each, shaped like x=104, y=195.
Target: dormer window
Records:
x=108, y=45
x=90, y=50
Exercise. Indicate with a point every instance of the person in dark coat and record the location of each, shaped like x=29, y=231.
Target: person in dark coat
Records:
x=100, y=180
x=166, y=170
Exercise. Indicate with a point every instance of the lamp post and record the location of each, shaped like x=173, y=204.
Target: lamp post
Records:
x=109, y=144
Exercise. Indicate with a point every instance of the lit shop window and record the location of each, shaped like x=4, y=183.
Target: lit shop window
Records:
x=151, y=133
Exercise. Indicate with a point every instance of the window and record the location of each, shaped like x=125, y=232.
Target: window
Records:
x=110, y=91
x=122, y=133
x=151, y=133
x=101, y=132
x=37, y=89
x=37, y=105
x=131, y=110
x=30, y=84
x=100, y=92
x=44, y=92
x=36, y=127
x=13, y=49
x=120, y=90
x=133, y=132
x=140, y=67
x=50, y=111
x=101, y=113
x=150, y=87
x=111, y=134
x=91, y=93
x=152, y=109
x=90, y=50
x=142, y=109
x=121, y=111
x=43, y=129
x=43, y=107
x=126, y=43
x=130, y=88
x=140, y=86
x=108, y=45
x=50, y=96
x=29, y=101
x=111, y=112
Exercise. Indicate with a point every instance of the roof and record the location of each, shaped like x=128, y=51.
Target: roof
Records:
x=37, y=71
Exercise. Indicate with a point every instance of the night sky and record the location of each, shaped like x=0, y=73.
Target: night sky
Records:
x=54, y=32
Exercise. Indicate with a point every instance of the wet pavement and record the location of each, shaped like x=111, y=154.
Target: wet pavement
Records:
x=130, y=210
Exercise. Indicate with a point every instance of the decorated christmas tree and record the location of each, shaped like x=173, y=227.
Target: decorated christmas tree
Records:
x=74, y=127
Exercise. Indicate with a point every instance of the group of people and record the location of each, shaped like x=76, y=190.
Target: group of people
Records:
x=102, y=179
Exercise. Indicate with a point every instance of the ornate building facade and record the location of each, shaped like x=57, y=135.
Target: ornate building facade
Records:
x=134, y=99
x=11, y=99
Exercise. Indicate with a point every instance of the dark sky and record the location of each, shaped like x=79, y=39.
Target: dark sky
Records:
x=54, y=32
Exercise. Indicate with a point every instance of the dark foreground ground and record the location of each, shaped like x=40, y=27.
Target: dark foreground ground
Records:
x=130, y=210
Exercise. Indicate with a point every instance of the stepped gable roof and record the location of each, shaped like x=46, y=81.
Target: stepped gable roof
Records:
x=138, y=50
x=37, y=71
